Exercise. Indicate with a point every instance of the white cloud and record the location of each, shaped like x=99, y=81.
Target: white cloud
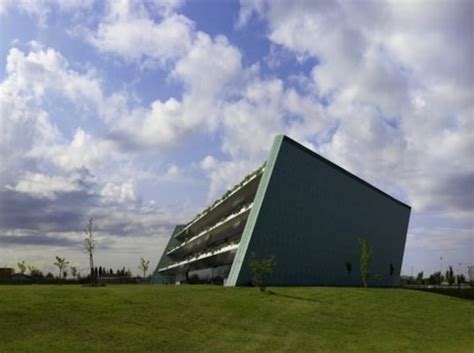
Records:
x=45, y=186
x=122, y=193
x=208, y=163
x=247, y=9
x=251, y=122
x=207, y=71
x=155, y=126
x=84, y=151
x=208, y=65
x=41, y=70
x=24, y=122
x=42, y=9
x=440, y=238
x=165, y=7
x=86, y=175
x=128, y=31
x=30, y=135
x=172, y=172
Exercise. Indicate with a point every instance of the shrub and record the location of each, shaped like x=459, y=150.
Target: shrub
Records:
x=262, y=270
x=348, y=267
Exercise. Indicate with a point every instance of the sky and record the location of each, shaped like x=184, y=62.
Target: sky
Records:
x=140, y=114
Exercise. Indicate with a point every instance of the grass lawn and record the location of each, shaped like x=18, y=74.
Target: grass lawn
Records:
x=136, y=319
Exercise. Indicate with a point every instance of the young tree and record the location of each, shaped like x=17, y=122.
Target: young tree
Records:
x=61, y=264
x=262, y=270
x=435, y=278
x=143, y=266
x=419, y=278
x=90, y=244
x=450, y=276
x=21, y=266
x=31, y=269
x=391, y=271
x=365, y=259
x=470, y=274
x=74, y=271
x=34, y=272
x=49, y=275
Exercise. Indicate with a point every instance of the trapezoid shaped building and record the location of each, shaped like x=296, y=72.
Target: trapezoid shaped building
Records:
x=302, y=209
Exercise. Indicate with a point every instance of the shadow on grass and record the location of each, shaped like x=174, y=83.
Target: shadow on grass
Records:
x=295, y=297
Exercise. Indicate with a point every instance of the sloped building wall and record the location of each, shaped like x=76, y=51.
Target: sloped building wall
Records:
x=165, y=260
x=310, y=213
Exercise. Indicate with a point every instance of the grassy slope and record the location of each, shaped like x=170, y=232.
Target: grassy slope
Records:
x=216, y=319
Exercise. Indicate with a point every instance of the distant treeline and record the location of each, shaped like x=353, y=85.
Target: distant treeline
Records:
x=98, y=274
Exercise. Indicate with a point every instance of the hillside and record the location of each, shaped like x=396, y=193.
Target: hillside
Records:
x=136, y=318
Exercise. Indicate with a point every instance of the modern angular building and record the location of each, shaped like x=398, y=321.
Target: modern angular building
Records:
x=304, y=210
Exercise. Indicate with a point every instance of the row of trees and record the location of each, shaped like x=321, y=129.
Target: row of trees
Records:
x=437, y=278
x=60, y=263
x=89, y=247
x=64, y=270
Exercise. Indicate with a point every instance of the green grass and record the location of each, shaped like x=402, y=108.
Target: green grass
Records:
x=137, y=319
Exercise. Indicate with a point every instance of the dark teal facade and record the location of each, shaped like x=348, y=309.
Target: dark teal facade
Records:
x=310, y=214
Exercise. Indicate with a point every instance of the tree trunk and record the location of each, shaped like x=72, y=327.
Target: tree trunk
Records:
x=91, y=263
